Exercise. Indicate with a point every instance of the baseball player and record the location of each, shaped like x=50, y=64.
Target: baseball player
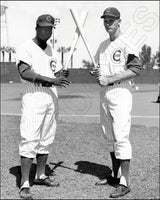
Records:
x=117, y=64
x=37, y=64
x=158, y=98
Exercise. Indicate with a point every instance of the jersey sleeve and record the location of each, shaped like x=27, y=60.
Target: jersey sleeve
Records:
x=23, y=54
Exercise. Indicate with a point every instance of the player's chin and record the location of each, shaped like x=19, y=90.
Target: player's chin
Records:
x=109, y=30
x=45, y=37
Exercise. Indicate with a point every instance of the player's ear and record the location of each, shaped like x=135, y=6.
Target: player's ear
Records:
x=119, y=20
x=36, y=27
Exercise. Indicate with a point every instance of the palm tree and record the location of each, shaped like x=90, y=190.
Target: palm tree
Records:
x=62, y=50
x=87, y=64
x=145, y=56
x=8, y=50
x=157, y=58
x=2, y=49
x=11, y=51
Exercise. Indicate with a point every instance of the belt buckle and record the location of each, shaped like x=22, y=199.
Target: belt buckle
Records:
x=37, y=84
x=112, y=84
x=44, y=85
x=117, y=83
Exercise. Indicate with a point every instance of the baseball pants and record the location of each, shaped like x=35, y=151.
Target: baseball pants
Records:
x=115, y=112
x=38, y=120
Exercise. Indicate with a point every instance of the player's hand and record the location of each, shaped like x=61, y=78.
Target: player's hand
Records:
x=104, y=81
x=65, y=73
x=95, y=72
x=60, y=81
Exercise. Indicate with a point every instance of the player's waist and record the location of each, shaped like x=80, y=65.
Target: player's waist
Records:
x=112, y=84
x=34, y=88
x=38, y=87
x=28, y=83
x=118, y=84
x=42, y=84
x=127, y=82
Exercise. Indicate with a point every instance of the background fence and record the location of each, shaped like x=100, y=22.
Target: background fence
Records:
x=9, y=73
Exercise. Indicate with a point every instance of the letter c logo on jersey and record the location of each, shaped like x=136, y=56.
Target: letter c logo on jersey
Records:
x=117, y=56
x=52, y=64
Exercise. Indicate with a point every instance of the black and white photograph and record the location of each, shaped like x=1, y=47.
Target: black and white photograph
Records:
x=80, y=96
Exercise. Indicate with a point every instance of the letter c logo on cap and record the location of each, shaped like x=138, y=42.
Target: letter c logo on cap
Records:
x=48, y=18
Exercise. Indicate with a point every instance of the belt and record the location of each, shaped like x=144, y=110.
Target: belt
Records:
x=43, y=84
x=111, y=84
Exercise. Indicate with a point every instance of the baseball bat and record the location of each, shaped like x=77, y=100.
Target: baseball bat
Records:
x=76, y=37
x=76, y=20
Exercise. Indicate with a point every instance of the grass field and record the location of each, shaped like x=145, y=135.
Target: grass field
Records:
x=80, y=148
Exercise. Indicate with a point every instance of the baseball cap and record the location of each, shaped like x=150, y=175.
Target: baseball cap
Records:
x=45, y=20
x=111, y=12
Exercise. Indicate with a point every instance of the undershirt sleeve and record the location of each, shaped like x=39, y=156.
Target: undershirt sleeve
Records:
x=134, y=64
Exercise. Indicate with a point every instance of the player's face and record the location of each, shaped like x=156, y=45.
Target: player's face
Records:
x=44, y=32
x=111, y=24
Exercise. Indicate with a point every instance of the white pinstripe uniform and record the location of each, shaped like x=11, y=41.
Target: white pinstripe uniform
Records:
x=39, y=104
x=115, y=100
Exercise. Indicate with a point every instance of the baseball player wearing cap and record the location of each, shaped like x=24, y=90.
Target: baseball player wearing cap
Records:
x=158, y=98
x=117, y=64
x=37, y=64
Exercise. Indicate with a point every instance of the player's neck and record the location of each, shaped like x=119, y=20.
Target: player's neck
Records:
x=42, y=44
x=115, y=35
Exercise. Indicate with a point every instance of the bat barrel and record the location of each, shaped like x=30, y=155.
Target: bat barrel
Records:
x=76, y=20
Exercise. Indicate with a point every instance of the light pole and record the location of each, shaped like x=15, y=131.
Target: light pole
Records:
x=53, y=40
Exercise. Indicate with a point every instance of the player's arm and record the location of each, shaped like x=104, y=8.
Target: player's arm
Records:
x=25, y=71
x=28, y=74
x=63, y=72
x=127, y=75
x=134, y=67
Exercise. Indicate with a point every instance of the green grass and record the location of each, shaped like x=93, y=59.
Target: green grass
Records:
x=81, y=149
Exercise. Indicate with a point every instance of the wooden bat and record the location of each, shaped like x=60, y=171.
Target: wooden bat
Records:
x=76, y=37
x=77, y=22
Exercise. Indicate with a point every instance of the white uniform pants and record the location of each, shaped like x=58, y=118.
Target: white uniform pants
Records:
x=38, y=121
x=115, y=116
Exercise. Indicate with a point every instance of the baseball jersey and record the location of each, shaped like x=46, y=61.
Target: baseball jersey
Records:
x=42, y=62
x=115, y=57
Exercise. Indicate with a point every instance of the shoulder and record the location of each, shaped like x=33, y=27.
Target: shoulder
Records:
x=128, y=45
x=23, y=52
x=25, y=44
x=103, y=45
